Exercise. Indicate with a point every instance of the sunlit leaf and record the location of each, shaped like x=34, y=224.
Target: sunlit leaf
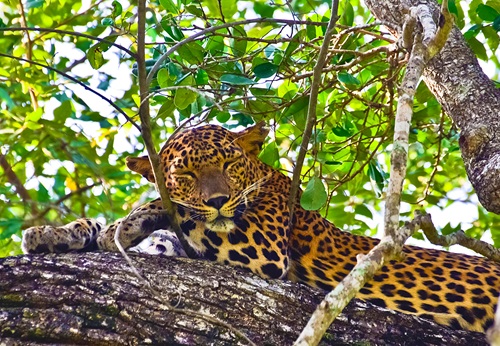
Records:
x=314, y=196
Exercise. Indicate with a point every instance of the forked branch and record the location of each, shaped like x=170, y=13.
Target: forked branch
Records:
x=392, y=243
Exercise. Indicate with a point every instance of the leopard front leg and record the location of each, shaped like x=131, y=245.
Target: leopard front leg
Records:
x=134, y=228
x=88, y=234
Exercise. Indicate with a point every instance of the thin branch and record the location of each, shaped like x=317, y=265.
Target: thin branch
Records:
x=73, y=33
x=392, y=243
x=399, y=155
x=460, y=238
x=311, y=111
x=73, y=79
x=14, y=181
x=154, y=159
x=39, y=215
x=201, y=34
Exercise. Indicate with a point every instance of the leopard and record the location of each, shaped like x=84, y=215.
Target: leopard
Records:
x=232, y=208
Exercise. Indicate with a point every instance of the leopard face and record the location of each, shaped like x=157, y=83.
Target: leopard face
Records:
x=212, y=172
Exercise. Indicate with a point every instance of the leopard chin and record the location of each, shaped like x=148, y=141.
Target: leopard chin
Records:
x=221, y=224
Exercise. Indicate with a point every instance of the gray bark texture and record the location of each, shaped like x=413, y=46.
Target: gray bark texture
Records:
x=467, y=95
x=94, y=299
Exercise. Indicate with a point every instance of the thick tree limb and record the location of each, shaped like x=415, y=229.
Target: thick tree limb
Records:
x=93, y=298
x=467, y=95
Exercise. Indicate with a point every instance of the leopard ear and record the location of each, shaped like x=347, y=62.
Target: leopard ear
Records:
x=252, y=138
x=142, y=166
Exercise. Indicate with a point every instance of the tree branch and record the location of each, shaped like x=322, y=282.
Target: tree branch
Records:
x=93, y=299
x=391, y=245
x=460, y=238
x=311, y=109
x=14, y=181
x=154, y=159
x=202, y=33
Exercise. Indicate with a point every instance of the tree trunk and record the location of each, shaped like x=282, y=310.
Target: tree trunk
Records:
x=94, y=299
x=467, y=95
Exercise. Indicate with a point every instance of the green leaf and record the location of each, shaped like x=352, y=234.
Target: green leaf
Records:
x=265, y=70
x=163, y=78
x=201, y=77
x=362, y=209
x=194, y=10
x=192, y=52
x=238, y=43
x=314, y=196
x=5, y=97
x=496, y=23
x=169, y=6
x=30, y=4
x=95, y=57
x=487, y=13
x=377, y=177
x=34, y=116
x=263, y=9
x=107, y=22
x=348, y=78
x=294, y=43
x=219, y=8
x=166, y=110
x=64, y=111
x=117, y=9
x=234, y=79
x=223, y=117
x=478, y=48
x=472, y=32
x=9, y=227
x=42, y=194
x=347, y=17
x=184, y=96
x=270, y=155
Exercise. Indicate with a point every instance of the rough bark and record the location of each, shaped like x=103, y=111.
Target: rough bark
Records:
x=94, y=299
x=467, y=95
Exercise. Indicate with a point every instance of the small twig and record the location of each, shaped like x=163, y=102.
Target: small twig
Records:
x=73, y=33
x=460, y=238
x=311, y=110
x=54, y=205
x=114, y=105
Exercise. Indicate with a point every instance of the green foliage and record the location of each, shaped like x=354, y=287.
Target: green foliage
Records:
x=67, y=148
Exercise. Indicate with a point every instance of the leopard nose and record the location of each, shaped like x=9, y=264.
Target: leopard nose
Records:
x=217, y=202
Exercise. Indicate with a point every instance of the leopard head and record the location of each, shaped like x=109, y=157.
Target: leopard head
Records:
x=210, y=170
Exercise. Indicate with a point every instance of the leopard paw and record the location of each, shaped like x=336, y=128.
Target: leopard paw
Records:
x=77, y=235
x=161, y=242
